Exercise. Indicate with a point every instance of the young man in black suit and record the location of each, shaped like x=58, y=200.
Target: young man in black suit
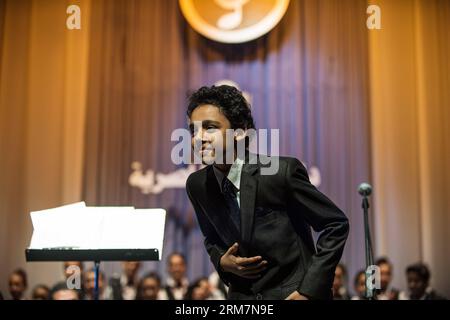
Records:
x=257, y=226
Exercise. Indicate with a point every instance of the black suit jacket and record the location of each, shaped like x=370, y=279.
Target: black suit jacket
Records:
x=276, y=214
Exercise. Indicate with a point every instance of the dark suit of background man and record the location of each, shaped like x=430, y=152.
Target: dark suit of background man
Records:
x=257, y=227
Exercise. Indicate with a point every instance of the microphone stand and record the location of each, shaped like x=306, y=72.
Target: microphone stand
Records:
x=97, y=273
x=370, y=293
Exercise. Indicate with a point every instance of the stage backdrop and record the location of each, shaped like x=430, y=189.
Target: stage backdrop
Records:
x=307, y=77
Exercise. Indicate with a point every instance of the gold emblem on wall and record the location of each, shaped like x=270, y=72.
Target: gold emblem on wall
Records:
x=233, y=21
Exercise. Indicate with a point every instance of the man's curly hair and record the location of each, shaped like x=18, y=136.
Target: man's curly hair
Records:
x=230, y=102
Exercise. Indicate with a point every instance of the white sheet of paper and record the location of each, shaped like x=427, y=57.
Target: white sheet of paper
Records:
x=79, y=227
x=49, y=225
x=115, y=223
x=149, y=229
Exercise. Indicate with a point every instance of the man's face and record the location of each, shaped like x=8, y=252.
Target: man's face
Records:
x=416, y=285
x=177, y=267
x=360, y=287
x=385, y=275
x=16, y=286
x=40, y=294
x=202, y=291
x=66, y=294
x=150, y=289
x=208, y=130
x=68, y=267
x=89, y=282
x=130, y=268
x=338, y=279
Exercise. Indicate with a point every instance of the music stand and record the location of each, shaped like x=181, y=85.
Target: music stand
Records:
x=142, y=229
x=67, y=254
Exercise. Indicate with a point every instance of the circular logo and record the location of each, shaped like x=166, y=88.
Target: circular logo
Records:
x=233, y=21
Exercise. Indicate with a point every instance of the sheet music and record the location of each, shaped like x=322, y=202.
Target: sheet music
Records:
x=46, y=223
x=77, y=226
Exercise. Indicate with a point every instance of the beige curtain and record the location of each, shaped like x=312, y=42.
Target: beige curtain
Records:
x=42, y=106
x=410, y=119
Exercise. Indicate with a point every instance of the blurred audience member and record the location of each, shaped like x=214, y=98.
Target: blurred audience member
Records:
x=386, y=292
x=176, y=283
x=40, y=292
x=104, y=292
x=418, y=279
x=149, y=288
x=70, y=268
x=218, y=286
x=360, y=286
x=18, y=284
x=199, y=290
x=124, y=286
x=340, y=283
x=60, y=292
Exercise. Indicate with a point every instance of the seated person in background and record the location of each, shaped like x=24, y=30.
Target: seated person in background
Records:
x=340, y=283
x=104, y=292
x=360, y=286
x=386, y=292
x=40, y=292
x=60, y=292
x=70, y=281
x=201, y=289
x=124, y=286
x=177, y=282
x=418, y=279
x=18, y=284
x=149, y=288
x=71, y=266
x=218, y=286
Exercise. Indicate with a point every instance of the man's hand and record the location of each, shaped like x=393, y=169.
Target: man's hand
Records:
x=296, y=296
x=249, y=268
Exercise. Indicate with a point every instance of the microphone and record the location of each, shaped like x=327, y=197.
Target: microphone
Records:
x=365, y=189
